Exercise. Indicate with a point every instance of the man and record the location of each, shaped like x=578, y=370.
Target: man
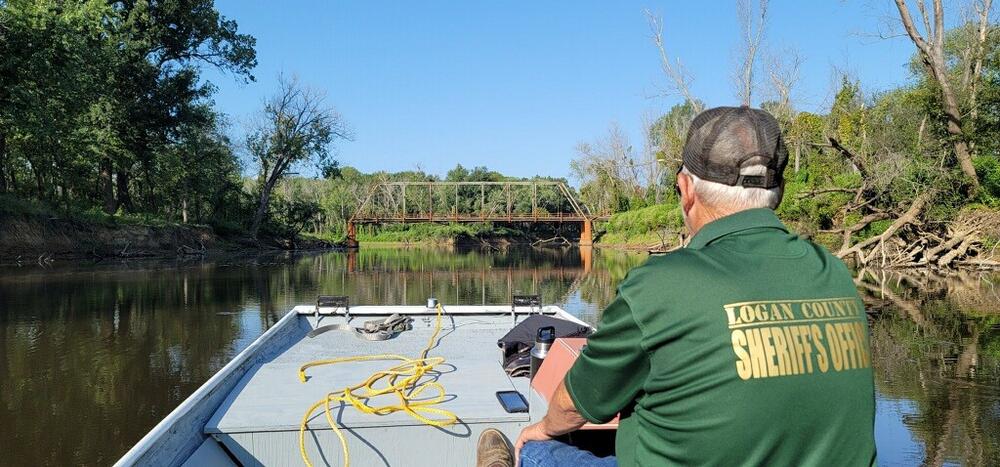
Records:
x=747, y=347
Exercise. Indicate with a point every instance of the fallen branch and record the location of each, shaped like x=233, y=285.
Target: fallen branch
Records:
x=851, y=157
x=878, y=241
x=489, y=245
x=824, y=191
x=561, y=239
x=979, y=263
x=186, y=250
x=957, y=252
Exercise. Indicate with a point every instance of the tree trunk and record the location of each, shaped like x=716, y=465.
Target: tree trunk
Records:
x=931, y=51
x=107, y=186
x=265, y=198
x=3, y=163
x=124, y=198
x=184, y=211
x=798, y=152
x=41, y=192
x=954, y=115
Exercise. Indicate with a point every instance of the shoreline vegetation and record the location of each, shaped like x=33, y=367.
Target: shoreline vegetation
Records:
x=111, y=145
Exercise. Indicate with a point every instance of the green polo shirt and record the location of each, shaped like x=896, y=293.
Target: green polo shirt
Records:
x=748, y=347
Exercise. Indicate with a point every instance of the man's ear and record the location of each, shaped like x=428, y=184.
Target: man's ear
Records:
x=687, y=191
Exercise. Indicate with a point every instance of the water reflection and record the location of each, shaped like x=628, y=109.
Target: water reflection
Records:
x=94, y=356
x=937, y=347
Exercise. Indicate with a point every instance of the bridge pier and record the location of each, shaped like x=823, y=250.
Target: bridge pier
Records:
x=587, y=233
x=352, y=235
x=352, y=260
x=587, y=258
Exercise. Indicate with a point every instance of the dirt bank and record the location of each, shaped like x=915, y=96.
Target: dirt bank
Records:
x=30, y=237
x=39, y=238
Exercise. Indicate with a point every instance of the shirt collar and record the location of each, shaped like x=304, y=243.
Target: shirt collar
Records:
x=743, y=220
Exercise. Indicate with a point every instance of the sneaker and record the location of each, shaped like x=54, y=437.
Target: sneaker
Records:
x=493, y=450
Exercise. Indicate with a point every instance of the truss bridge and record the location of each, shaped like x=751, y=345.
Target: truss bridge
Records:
x=506, y=201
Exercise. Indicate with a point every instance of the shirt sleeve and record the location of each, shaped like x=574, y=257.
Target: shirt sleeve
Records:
x=612, y=368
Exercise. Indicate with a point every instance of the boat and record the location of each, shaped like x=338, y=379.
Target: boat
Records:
x=254, y=410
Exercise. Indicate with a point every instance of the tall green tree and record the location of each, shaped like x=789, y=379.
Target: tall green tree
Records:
x=162, y=43
x=99, y=100
x=51, y=76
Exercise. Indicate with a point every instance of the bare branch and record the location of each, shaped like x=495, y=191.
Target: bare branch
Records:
x=923, y=15
x=911, y=30
x=753, y=34
x=983, y=8
x=783, y=74
x=675, y=72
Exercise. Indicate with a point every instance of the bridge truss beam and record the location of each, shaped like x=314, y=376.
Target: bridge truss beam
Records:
x=505, y=201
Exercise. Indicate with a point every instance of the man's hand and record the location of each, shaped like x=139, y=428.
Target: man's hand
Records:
x=535, y=432
x=560, y=419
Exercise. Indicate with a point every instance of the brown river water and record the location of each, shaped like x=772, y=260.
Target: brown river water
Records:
x=93, y=355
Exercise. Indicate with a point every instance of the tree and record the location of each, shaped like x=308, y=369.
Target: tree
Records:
x=753, y=34
x=102, y=103
x=932, y=56
x=680, y=81
x=52, y=72
x=669, y=132
x=294, y=126
x=160, y=44
x=608, y=172
x=783, y=75
x=666, y=137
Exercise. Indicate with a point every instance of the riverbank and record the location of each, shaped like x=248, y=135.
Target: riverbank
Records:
x=655, y=227
x=41, y=236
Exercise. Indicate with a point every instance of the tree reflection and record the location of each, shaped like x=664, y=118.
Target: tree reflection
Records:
x=88, y=358
x=935, y=341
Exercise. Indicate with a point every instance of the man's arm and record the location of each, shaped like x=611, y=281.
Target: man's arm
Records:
x=607, y=376
x=561, y=418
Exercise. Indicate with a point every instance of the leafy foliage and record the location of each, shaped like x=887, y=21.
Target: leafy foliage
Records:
x=102, y=106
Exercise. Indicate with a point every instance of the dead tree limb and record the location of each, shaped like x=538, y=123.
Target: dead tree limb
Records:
x=674, y=71
x=931, y=51
x=851, y=157
x=753, y=33
x=812, y=193
x=908, y=217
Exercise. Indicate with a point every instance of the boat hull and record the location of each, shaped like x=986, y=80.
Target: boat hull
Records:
x=248, y=412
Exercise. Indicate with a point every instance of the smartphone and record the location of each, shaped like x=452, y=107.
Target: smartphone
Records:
x=512, y=401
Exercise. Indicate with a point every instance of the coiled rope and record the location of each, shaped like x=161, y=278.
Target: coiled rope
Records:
x=403, y=380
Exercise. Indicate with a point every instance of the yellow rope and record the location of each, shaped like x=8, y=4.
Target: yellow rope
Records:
x=402, y=380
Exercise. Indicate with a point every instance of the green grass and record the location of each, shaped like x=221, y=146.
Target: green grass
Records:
x=324, y=236
x=15, y=206
x=415, y=233
x=641, y=226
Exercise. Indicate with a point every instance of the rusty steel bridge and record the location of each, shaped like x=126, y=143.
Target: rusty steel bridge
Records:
x=505, y=201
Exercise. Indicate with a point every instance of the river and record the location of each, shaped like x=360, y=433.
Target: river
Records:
x=93, y=355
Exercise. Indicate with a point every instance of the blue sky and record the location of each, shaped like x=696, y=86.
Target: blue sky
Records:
x=516, y=85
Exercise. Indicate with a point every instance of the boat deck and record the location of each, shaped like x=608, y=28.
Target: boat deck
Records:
x=259, y=420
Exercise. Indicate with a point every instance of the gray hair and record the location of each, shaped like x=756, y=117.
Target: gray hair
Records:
x=735, y=198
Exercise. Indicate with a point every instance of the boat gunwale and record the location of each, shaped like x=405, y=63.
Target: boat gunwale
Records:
x=385, y=310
